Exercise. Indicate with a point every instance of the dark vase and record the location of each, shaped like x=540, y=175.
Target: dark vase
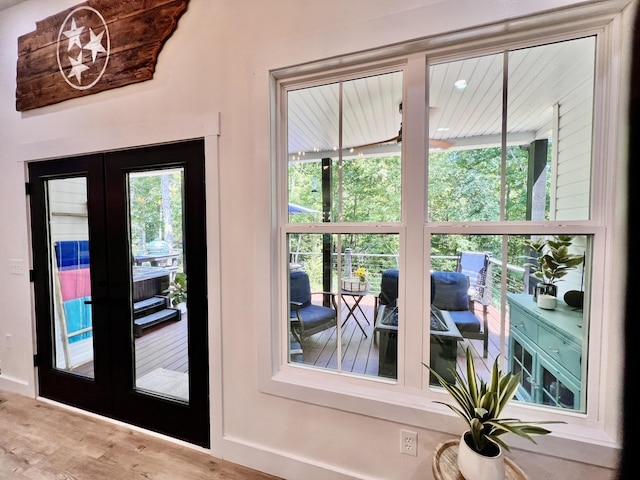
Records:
x=574, y=298
x=545, y=289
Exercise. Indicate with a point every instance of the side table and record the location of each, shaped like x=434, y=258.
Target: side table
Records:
x=445, y=464
x=357, y=298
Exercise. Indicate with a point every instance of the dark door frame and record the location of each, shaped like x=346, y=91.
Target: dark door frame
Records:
x=112, y=392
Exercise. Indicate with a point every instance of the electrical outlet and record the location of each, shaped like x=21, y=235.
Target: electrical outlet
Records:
x=409, y=442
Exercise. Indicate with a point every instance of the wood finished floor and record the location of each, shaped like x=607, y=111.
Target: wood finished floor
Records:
x=45, y=442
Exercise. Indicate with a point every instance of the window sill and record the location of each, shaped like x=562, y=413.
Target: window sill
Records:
x=588, y=443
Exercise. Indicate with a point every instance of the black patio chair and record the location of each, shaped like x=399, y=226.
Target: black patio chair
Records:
x=307, y=318
x=450, y=293
x=475, y=265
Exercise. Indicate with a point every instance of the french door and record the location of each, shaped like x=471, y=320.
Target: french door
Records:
x=119, y=260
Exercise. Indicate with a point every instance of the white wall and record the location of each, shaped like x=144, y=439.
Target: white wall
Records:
x=217, y=63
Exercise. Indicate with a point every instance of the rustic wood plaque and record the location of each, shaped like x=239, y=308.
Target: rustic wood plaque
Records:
x=94, y=46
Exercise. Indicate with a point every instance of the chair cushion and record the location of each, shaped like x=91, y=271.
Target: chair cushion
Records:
x=300, y=290
x=450, y=291
x=466, y=321
x=473, y=265
x=315, y=315
x=389, y=287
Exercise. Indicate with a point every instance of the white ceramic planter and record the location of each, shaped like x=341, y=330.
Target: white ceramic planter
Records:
x=548, y=302
x=474, y=466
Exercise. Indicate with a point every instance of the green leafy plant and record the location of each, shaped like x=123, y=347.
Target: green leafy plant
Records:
x=177, y=291
x=553, y=257
x=480, y=404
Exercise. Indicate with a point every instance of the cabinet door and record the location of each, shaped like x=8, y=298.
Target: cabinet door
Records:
x=557, y=388
x=522, y=360
x=567, y=355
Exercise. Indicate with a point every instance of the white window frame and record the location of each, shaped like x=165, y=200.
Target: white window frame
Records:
x=410, y=396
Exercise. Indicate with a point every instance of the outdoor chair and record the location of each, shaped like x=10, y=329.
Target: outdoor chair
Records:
x=308, y=318
x=450, y=293
x=475, y=265
x=388, y=296
x=443, y=338
x=388, y=290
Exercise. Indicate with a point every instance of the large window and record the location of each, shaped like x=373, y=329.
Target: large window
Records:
x=449, y=169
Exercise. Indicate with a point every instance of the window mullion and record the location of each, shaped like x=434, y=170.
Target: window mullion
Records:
x=413, y=262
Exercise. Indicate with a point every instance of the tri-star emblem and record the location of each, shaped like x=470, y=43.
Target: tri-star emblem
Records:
x=94, y=46
x=83, y=31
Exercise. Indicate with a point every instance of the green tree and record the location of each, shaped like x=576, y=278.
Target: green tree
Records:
x=155, y=205
x=463, y=186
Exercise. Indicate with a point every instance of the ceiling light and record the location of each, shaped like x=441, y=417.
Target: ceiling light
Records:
x=461, y=84
x=443, y=129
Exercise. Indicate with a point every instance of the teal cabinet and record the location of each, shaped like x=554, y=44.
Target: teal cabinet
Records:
x=546, y=346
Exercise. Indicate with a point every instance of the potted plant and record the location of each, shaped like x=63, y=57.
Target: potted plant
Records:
x=357, y=282
x=177, y=291
x=479, y=404
x=553, y=262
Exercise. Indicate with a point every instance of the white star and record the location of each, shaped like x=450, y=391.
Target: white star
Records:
x=73, y=35
x=95, y=44
x=77, y=67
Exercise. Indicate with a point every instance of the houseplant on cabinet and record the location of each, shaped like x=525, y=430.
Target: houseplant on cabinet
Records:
x=479, y=404
x=553, y=262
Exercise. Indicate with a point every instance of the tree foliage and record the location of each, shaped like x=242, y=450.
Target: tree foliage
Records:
x=463, y=186
x=155, y=203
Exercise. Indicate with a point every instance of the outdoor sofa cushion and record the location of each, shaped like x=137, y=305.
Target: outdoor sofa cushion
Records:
x=313, y=318
x=389, y=287
x=450, y=293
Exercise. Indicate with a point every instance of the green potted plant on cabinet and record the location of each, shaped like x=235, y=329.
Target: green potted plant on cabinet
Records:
x=480, y=404
x=553, y=262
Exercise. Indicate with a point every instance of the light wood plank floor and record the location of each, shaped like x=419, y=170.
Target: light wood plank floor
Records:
x=45, y=442
x=42, y=441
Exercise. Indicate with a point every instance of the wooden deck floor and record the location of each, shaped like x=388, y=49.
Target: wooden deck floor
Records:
x=360, y=353
x=165, y=347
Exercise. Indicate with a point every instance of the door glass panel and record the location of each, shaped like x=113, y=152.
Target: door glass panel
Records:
x=70, y=275
x=158, y=286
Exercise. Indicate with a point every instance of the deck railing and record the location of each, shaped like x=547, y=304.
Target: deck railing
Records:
x=375, y=264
